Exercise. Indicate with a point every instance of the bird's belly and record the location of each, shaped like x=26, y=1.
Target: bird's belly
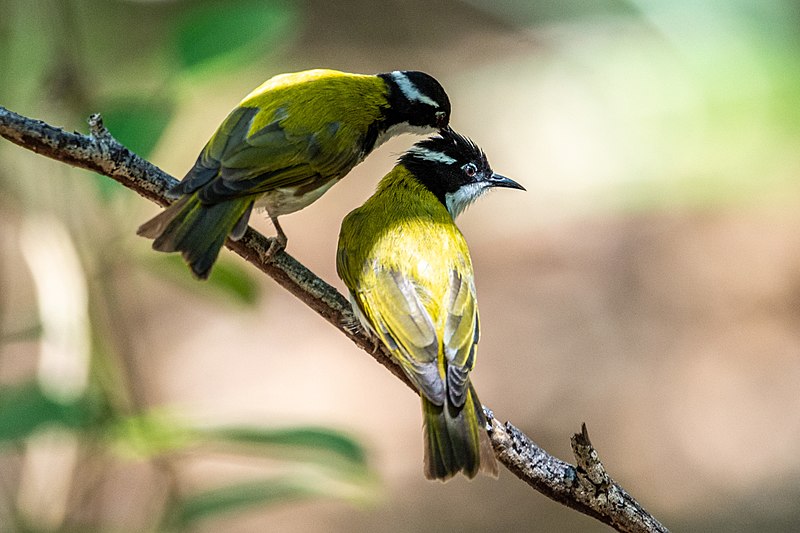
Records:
x=285, y=200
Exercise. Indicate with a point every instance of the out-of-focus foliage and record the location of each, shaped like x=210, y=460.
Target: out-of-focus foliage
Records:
x=654, y=105
x=240, y=32
x=131, y=61
x=245, y=495
x=230, y=279
x=25, y=409
x=138, y=122
x=340, y=467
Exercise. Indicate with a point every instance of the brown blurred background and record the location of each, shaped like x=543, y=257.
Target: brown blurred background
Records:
x=648, y=283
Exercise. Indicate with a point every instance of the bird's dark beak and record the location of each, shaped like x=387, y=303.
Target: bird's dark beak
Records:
x=496, y=180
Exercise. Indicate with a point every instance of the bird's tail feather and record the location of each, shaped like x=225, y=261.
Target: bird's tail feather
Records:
x=456, y=439
x=196, y=230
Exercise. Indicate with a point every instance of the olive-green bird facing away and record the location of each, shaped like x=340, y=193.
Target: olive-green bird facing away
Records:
x=411, y=284
x=283, y=146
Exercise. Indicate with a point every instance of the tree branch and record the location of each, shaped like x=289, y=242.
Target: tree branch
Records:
x=586, y=487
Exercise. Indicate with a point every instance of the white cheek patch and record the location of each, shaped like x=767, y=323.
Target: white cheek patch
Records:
x=410, y=90
x=458, y=201
x=432, y=156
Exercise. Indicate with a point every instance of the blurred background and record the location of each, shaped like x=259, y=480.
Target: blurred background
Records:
x=648, y=283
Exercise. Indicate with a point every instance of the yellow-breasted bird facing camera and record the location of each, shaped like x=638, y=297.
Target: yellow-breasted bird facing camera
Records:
x=283, y=146
x=410, y=278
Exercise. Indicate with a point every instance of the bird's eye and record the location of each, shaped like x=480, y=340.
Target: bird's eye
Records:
x=470, y=169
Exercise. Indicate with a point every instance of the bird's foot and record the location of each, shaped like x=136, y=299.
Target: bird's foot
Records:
x=376, y=344
x=351, y=325
x=277, y=244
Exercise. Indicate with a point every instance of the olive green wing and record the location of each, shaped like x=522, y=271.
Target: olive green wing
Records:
x=237, y=163
x=394, y=306
x=461, y=334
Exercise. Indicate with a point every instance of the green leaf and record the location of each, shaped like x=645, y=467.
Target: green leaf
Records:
x=26, y=408
x=240, y=30
x=313, y=441
x=229, y=278
x=137, y=122
x=243, y=496
x=155, y=432
x=149, y=434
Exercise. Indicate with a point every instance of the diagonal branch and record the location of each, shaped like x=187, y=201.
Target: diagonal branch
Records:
x=586, y=487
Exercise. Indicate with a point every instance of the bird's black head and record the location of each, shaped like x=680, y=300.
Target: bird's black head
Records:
x=416, y=99
x=454, y=169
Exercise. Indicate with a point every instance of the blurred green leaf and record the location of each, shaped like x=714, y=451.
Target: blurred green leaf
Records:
x=232, y=278
x=156, y=432
x=210, y=34
x=314, y=440
x=25, y=408
x=149, y=434
x=137, y=122
x=242, y=496
x=229, y=278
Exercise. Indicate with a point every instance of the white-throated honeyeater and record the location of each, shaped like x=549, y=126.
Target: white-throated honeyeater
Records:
x=410, y=278
x=283, y=146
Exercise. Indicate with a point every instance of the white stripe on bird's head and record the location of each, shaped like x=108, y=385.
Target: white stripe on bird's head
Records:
x=410, y=90
x=431, y=155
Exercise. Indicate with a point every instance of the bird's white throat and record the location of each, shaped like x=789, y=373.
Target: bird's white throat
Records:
x=459, y=200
